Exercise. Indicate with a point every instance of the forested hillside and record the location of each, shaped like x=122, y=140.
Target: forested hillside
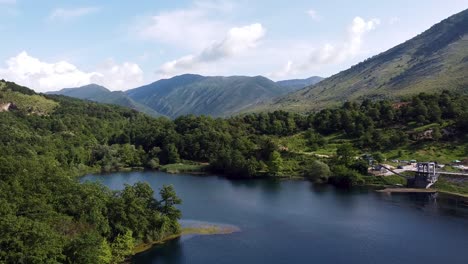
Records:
x=48, y=217
x=101, y=94
x=201, y=95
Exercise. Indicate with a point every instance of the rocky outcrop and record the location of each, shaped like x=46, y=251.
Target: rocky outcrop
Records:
x=5, y=107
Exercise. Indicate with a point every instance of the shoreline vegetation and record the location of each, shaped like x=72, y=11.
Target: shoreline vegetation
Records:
x=202, y=230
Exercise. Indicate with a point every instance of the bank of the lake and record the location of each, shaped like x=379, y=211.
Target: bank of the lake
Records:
x=297, y=222
x=190, y=228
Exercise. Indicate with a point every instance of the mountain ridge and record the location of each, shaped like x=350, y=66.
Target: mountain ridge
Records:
x=434, y=60
x=101, y=94
x=193, y=94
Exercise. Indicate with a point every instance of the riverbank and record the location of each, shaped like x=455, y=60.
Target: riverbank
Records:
x=200, y=229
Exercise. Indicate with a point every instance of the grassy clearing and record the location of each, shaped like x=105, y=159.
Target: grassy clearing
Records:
x=184, y=168
x=442, y=152
x=458, y=188
x=29, y=103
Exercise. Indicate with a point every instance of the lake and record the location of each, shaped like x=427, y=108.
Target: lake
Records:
x=298, y=222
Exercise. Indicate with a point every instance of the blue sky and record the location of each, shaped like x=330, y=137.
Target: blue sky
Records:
x=48, y=45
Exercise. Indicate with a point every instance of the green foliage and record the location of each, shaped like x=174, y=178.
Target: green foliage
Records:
x=345, y=154
x=25, y=100
x=379, y=157
x=172, y=154
x=275, y=163
x=122, y=247
x=88, y=248
x=345, y=177
x=46, y=216
x=318, y=171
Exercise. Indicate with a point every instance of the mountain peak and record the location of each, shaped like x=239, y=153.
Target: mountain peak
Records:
x=434, y=60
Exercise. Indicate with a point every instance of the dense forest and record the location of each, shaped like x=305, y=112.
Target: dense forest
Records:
x=47, y=141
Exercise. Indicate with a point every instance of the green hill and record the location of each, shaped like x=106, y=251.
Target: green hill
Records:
x=200, y=95
x=435, y=60
x=97, y=93
x=24, y=99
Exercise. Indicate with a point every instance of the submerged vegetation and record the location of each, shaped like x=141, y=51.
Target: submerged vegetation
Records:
x=46, y=216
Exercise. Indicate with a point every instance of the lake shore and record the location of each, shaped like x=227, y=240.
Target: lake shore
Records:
x=199, y=229
x=406, y=190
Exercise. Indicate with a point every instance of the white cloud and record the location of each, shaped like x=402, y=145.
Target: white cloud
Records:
x=193, y=28
x=67, y=14
x=237, y=41
x=119, y=76
x=330, y=54
x=283, y=73
x=313, y=14
x=42, y=76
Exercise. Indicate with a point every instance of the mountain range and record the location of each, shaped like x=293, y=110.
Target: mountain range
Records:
x=192, y=94
x=435, y=60
x=97, y=93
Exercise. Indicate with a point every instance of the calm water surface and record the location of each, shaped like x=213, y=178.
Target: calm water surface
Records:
x=297, y=222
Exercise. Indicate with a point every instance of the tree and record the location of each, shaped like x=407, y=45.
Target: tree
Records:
x=88, y=248
x=345, y=153
x=168, y=201
x=378, y=156
x=172, y=154
x=275, y=163
x=122, y=247
x=436, y=133
x=345, y=177
x=314, y=140
x=318, y=171
x=105, y=253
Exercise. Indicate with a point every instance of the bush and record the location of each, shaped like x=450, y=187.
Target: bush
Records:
x=345, y=177
x=318, y=171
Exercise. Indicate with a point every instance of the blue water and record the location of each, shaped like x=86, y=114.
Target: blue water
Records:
x=298, y=222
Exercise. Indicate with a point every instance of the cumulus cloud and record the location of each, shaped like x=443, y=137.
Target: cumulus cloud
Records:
x=43, y=76
x=67, y=14
x=349, y=48
x=333, y=53
x=237, y=41
x=118, y=76
x=192, y=28
x=283, y=73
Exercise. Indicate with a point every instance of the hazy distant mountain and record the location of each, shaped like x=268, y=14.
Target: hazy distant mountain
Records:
x=97, y=93
x=435, y=60
x=196, y=94
x=296, y=84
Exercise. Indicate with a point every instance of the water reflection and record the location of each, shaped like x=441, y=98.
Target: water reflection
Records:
x=431, y=203
x=170, y=252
